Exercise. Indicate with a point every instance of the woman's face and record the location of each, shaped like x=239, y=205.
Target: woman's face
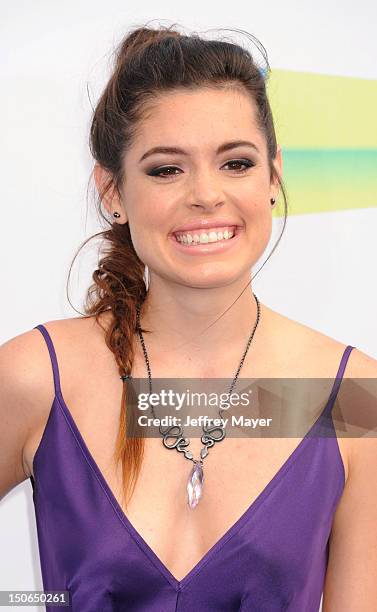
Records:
x=165, y=191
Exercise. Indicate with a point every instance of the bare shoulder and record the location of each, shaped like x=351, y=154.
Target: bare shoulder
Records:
x=362, y=449
x=27, y=387
x=74, y=339
x=310, y=352
x=351, y=576
x=26, y=391
x=352, y=571
x=313, y=353
x=25, y=363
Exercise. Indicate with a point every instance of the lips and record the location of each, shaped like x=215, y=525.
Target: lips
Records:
x=206, y=249
x=206, y=224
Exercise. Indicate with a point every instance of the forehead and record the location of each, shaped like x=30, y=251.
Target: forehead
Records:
x=202, y=117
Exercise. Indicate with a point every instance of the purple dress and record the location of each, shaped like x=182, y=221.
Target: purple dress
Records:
x=273, y=558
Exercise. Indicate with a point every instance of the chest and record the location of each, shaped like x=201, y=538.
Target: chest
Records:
x=236, y=471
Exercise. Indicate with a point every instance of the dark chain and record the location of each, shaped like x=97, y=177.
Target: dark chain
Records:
x=208, y=437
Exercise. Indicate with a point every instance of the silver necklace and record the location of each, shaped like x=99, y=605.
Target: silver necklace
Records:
x=211, y=434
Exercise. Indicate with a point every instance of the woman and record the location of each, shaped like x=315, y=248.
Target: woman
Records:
x=189, y=170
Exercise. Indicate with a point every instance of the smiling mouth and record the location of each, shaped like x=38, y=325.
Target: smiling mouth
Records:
x=197, y=237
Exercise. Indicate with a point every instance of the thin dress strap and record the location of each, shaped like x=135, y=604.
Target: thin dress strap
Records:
x=338, y=380
x=54, y=361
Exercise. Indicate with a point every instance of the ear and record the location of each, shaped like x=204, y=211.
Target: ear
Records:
x=278, y=163
x=109, y=195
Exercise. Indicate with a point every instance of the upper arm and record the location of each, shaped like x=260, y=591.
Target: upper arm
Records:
x=351, y=580
x=25, y=392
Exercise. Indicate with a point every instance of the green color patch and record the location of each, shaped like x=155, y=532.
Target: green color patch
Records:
x=320, y=180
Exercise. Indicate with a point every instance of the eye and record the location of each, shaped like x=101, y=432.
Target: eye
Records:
x=166, y=171
x=159, y=171
x=243, y=162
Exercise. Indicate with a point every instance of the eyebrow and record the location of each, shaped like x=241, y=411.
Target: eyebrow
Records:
x=226, y=146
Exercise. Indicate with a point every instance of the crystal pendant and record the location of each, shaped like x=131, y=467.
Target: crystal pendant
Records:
x=195, y=485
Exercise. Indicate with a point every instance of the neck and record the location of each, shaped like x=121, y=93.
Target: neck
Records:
x=200, y=321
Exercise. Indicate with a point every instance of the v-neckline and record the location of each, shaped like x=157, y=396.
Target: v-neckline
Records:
x=143, y=545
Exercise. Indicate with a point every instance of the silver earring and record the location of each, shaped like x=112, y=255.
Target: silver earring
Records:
x=116, y=214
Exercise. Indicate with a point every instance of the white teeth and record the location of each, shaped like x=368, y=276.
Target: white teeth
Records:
x=204, y=238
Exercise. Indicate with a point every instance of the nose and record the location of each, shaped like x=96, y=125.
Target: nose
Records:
x=207, y=205
x=205, y=193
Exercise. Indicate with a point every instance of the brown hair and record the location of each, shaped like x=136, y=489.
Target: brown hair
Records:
x=147, y=62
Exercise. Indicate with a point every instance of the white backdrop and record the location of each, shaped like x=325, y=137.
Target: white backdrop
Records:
x=50, y=51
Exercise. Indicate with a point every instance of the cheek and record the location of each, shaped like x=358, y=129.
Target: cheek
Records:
x=257, y=209
x=259, y=227
x=147, y=230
